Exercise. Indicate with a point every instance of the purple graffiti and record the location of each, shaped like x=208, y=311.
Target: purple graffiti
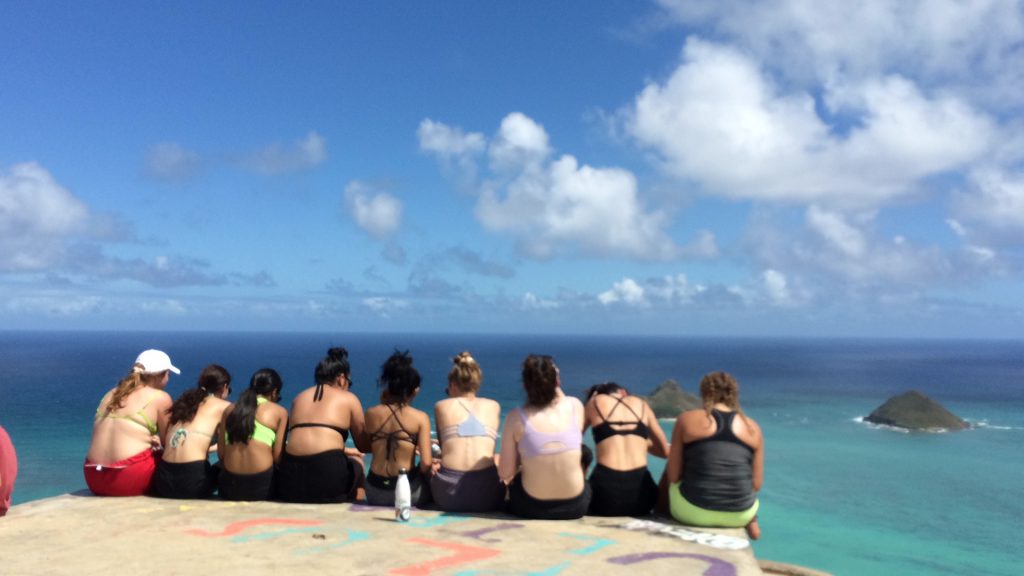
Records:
x=718, y=567
x=364, y=508
x=478, y=534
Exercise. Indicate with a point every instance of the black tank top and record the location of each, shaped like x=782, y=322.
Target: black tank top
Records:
x=718, y=470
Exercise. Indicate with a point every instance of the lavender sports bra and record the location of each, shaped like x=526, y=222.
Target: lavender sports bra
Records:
x=537, y=443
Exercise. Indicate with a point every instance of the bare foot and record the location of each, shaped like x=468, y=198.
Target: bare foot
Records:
x=753, y=529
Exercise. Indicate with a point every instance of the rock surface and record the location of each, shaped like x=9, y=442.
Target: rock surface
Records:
x=915, y=411
x=669, y=399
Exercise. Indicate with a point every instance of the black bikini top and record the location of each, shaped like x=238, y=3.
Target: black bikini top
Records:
x=606, y=428
x=338, y=429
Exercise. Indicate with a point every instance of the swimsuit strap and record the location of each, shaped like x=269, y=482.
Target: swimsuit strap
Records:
x=619, y=401
x=471, y=427
x=392, y=437
x=338, y=429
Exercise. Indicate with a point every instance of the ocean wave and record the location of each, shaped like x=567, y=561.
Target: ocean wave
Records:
x=989, y=426
x=873, y=426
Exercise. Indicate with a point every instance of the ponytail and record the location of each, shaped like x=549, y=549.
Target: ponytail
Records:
x=241, y=422
x=211, y=380
x=133, y=381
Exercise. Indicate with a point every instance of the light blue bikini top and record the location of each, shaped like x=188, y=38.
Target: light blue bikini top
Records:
x=471, y=427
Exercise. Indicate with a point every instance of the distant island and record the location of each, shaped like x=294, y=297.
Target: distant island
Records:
x=915, y=411
x=669, y=399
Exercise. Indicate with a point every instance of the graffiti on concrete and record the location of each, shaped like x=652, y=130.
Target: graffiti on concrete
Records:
x=716, y=566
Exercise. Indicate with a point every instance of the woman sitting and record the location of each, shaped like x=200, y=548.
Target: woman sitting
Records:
x=540, y=449
x=254, y=430
x=126, y=432
x=185, y=470
x=716, y=464
x=315, y=466
x=624, y=429
x=399, y=431
x=467, y=480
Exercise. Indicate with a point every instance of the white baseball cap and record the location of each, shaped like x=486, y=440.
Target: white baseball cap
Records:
x=155, y=361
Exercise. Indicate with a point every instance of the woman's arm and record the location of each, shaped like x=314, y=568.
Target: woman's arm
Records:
x=659, y=445
x=282, y=431
x=357, y=425
x=163, y=414
x=423, y=443
x=222, y=443
x=508, y=464
x=674, y=468
x=758, y=464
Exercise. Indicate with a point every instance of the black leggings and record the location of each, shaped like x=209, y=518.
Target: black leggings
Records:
x=258, y=486
x=525, y=506
x=329, y=476
x=622, y=492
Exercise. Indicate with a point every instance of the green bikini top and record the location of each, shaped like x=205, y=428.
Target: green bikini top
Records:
x=260, y=432
x=146, y=422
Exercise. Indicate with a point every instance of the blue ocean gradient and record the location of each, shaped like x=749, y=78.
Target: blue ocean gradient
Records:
x=839, y=495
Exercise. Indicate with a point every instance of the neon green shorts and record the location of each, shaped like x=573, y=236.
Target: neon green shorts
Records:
x=686, y=513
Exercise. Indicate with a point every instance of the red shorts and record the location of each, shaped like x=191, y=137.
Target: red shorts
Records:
x=129, y=477
x=8, y=470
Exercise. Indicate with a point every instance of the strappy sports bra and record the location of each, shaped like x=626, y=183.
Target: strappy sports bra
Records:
x=338, y=429
x=537, y=443
x=392, y=437
x=146, y=422
x=471, y=427
x=606, y=429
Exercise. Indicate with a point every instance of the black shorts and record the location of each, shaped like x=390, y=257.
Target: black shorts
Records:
x=380, y=490
x=187, y=480
x=258, y=486
x=622, y=492
x=472, y=491
x=324, y=477
x=525, y=506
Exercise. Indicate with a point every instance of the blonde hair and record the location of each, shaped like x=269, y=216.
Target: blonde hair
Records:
x=465, y=374
x=133, y=381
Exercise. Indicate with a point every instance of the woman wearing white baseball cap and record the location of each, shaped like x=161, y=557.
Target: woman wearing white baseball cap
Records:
x=126, y=432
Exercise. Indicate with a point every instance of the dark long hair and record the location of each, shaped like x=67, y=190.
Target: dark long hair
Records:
x=327, y=371
x=604, y=388
x=540, y=379
x=398, y=379
x=241, y=422
x=211, y=380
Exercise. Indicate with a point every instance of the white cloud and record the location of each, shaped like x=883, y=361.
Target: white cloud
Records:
x=971, y=47
x=719, y=121
x=556, y=207
x=37, y=218
x=278, y=158
x=832, y=227
x=456, y=150
x=776, y=287
x=379, y=213
x=384, y=306
x=531, y=301
x=996, y=203
x=521, y=144
x=171, y=162
x=626, y=291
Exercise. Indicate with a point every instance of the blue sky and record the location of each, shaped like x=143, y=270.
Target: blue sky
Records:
x=691, y=168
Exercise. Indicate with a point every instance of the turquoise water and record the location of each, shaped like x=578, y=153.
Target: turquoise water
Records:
x=839, y=495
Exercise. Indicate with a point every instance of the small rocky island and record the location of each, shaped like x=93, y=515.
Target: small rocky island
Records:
x=669, y=399
x=915, y=411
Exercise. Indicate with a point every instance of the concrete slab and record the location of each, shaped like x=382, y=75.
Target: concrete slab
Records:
x=82, y=534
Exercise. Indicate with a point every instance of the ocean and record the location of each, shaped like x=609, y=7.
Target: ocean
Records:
x=839, y=495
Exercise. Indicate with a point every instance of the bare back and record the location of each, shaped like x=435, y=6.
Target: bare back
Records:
x=556, y=473
x=316, y=425
x=129, y=429
x=460, y=450
x=396, y=433
x=191, y=441
x=627, y=417
x=254, y=456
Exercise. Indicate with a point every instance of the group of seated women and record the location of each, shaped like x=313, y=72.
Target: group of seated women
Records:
x=145, y=443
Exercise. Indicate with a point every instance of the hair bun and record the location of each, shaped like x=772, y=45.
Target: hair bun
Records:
x=463, y=358
x=337, y=353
